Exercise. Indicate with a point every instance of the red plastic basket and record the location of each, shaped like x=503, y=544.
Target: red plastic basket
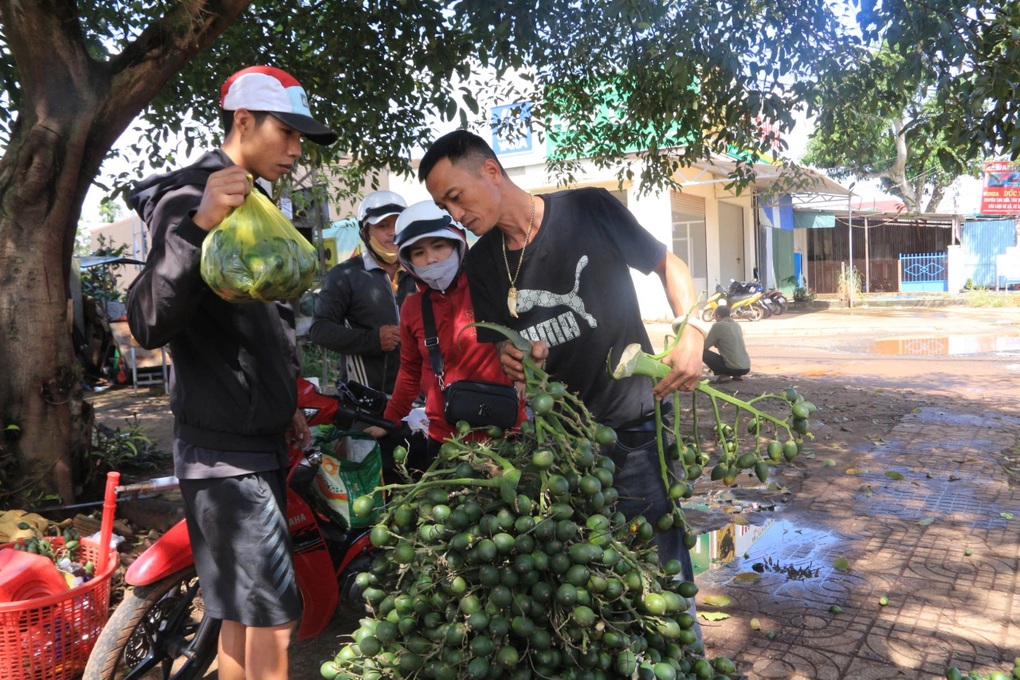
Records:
x=50, y=638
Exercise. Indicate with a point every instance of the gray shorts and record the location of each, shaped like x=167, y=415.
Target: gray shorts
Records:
x=242, y=548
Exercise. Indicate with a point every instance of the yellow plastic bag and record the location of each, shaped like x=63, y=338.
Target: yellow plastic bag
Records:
x=256, y=255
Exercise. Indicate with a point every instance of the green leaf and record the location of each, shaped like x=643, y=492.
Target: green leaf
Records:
x=892, y=474
x=747, y=577
x=926, y=521
x=716, y=600
x=1006, y=515
x=713, y=616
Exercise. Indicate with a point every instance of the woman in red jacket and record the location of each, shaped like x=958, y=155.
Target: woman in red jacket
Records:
x=431, y=246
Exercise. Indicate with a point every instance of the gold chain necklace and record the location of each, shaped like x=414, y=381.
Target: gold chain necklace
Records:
x=511, y=296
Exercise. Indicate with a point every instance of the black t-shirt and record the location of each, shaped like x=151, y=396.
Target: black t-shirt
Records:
x=575, y=292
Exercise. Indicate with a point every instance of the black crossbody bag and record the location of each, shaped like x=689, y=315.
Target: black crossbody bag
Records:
x=478, y=403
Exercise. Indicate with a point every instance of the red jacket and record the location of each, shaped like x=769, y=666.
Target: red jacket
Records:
x=464, y=358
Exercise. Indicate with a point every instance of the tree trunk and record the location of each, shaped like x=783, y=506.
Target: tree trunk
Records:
x=72, y=110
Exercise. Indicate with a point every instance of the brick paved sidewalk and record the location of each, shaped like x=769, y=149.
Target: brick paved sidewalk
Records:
x=906, y=539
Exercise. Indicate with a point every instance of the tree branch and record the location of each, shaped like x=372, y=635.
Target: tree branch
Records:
x=139, y=72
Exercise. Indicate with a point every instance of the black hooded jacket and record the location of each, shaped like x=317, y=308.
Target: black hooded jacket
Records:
x=233, y=383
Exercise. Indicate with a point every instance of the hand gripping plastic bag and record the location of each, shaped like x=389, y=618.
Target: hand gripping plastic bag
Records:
x=256, y=255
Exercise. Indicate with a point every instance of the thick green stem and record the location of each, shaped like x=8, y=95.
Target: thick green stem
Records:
x=663, y=465
x=413, y=489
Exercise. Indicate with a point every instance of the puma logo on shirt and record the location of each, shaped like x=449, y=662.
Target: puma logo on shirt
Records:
x=562, y=327
x=527, y=299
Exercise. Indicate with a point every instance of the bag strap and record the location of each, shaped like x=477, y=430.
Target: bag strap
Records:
x=432, y=338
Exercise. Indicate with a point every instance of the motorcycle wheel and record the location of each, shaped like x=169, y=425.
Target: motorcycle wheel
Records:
x=159, y=632
x=781, y=304
x=708, y=314
x=753, y=312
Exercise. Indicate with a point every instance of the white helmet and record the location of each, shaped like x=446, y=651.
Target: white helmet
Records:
x=379, y=205
x=426, y=220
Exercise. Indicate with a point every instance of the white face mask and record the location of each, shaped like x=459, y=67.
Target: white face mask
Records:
x=439, y=275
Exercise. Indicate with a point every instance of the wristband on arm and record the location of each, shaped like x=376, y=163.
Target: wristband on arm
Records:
x=692, y=322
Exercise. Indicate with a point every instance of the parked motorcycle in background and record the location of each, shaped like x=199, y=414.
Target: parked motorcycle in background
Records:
x=160, y=630
x=743, y=299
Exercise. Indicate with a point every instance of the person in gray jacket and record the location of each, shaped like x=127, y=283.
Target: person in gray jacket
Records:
x=233, y=385
x=356, y=310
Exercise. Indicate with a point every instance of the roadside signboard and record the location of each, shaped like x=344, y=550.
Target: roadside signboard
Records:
x=1000, y=194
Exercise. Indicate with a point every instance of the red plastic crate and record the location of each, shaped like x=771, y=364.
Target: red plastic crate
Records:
x=50, y=638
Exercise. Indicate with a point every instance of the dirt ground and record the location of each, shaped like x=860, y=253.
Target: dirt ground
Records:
x=866, y=369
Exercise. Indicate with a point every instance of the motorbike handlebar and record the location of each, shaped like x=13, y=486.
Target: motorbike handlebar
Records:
x=346, y=416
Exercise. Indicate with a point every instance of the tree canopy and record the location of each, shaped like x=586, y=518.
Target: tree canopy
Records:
x=931, y=92
x=688, y=78
x=870, y=126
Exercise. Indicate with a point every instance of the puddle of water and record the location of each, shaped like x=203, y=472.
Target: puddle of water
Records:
x=777, y=544
x=949, y=346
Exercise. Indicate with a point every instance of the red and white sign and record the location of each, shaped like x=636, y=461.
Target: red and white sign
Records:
x=1001, y=192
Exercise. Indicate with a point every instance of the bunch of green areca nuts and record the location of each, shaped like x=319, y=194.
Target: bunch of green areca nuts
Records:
x=507, y=559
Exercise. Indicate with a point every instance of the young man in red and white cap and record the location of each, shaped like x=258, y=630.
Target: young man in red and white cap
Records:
x=233, y=385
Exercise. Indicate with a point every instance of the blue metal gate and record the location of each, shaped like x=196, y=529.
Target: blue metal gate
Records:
x=923, y=273
x=981, y=242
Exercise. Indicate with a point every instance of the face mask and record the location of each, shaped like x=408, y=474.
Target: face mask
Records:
x=380, y=252
x=439, y=275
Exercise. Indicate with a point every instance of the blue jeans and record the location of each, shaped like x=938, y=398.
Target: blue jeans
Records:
x=638, y=478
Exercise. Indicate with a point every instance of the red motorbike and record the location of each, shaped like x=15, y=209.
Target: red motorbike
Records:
x=160, y=629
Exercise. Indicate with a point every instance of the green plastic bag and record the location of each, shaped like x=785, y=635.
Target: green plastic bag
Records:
x=256, y=255
x=341, y=481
